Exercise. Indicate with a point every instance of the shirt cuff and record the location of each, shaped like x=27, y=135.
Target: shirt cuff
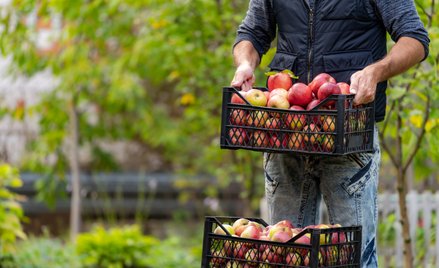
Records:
x=424, y=40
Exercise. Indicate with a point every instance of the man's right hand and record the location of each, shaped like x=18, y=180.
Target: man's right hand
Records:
x=244, y=77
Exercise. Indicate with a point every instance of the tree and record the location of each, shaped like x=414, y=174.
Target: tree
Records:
x=412, y=118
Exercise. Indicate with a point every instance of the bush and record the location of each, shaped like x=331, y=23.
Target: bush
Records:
x=43, y=252
x=11, y=212
x=114, y=248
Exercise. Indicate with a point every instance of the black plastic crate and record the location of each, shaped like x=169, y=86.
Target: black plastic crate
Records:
x=332, y=247
x=343, y=130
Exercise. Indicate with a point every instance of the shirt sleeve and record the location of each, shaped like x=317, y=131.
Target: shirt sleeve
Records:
x=401, y=18
x=258, y=26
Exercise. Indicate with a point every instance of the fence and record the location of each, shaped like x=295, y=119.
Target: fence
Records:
x=423, y=218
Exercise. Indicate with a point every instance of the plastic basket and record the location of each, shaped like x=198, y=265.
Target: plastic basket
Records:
x=340, y=131
x=332, y=247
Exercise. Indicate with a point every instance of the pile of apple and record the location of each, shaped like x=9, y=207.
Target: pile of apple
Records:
x=310, y=132
x=250, y=254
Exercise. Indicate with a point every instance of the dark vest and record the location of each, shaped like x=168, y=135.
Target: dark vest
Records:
x=338, y=37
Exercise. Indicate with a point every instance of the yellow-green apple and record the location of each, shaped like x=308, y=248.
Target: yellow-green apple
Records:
x=256, y=97
x=279, y=80
x=293, y=258
x=259, y=138
x=239, y=225
x=295, y=121
x=237, y=99
x=238, y=117
x=251, y=232
x=279, y=102
x=327, y=142
x=311, y=133
x=326, y=90
x=299, y=94
x=257, y=118
x=220, y=231
x=238, y=136
x=319, y=80
x=344, y=88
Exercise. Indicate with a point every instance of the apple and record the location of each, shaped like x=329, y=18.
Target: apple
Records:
x=326, y=90
x=239, y=225
x=299, y=94
x=257, y=118
x=282, y=236
x=259, y=138
x=278, y=101
x=238, y=136
x=273, y=123
x=285, y=223
x=252, y=254
x=278, y=229
x=237, y=99
x=219, y=231
x=310, y=132
x=251, y=232
x=256, y=97
x=218, y=258
x=259, y=226
x=328, y=124
x=312, y=105
x=276, y=142
x=239, y=251
x=319, y=80
x=295, y=121
x=271, y=257
x=238, y=117
x=293, y=258
x=327, y=142
x=345, y=88
x=267, y=94
x=279, y=80
x=279, y=91
x=295, y=141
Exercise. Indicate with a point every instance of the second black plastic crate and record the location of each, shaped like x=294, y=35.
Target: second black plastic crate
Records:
x=343, y=130
x=332, y=247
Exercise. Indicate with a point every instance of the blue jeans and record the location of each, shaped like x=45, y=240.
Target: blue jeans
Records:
x=295, y=185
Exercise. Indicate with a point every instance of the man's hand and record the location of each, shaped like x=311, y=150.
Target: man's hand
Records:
x=244, y=77
x=364, y=84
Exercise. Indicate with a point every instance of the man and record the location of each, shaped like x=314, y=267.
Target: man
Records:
x=346, y=39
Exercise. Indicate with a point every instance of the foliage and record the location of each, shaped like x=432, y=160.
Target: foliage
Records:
x=115, y=248
x=44, y=252
x=11, y=213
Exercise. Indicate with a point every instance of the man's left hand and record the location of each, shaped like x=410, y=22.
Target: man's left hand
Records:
x=364, y=84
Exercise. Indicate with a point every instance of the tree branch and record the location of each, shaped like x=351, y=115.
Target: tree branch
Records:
x=421, y=136
x=387, y=149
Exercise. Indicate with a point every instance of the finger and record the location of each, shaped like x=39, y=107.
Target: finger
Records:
x=246, y=86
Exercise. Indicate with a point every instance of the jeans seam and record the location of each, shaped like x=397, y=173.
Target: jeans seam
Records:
x=304, y=200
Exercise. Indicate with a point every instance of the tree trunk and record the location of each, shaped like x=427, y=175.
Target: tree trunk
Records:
x=402, y=194
x=75, y=203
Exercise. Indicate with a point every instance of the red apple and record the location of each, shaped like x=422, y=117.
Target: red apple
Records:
x=320, y=80
x=293, y=258
x=279, y=91
x=326, y=90
x=278, y=101
x=239, y=251
x=237, y=99
x=273, y=123
x=300, y=94
x=312, y=104
x=219, y=258
x=295, y=141
x=251, y=232
x=256, y=97
x=279, y=80
x=344, y=88
x=238, y=136
x=328, y=124
x=276, y=142
x=271, y=257
x=278, y=229
x=267, y=95
x=259, y=138
x=282, y=237
x=238, y=117
x=285, y=223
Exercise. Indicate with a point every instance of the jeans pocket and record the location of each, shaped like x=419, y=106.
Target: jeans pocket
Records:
x=359, y=180
x=270, y=182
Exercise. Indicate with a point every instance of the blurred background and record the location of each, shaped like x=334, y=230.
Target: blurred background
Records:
x=110, y=128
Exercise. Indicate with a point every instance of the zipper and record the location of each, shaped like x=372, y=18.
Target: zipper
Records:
x=310, y=25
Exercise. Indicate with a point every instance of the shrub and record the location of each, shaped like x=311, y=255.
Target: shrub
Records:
x=114, y=248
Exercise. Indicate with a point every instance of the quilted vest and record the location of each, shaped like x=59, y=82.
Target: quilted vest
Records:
x=338, y=37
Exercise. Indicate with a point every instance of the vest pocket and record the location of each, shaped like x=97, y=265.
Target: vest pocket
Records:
x=341, y=9
x=282, y=61
x=345, y=61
